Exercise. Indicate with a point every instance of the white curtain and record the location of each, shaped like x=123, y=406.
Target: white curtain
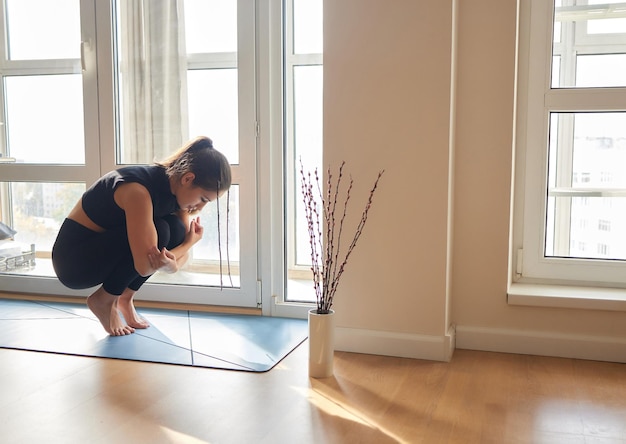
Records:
x=153, y=79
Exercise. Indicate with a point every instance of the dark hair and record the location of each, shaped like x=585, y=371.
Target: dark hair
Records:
x=211, y=168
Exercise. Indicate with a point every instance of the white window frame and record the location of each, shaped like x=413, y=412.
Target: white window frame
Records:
x=273, y=166
x=535, y=101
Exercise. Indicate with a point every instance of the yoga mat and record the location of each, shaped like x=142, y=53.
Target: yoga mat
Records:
x=199, y=339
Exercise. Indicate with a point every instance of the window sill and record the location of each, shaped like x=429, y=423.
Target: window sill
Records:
x=562, y=296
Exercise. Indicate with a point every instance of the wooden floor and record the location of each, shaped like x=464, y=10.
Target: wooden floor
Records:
x=477, y=398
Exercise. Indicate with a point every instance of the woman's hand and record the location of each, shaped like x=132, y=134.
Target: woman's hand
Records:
x=163, y=260
x=195, y=232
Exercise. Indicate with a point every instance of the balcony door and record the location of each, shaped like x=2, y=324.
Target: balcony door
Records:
x=89, y=86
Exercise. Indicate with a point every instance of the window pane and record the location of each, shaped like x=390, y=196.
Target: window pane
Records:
x=213, y=109
x=587, y=186
x=210, y=26
x=308, y=27
x=556, y=70
x=51, y=108
x=208, y=248
x=308, y=142
x=591, y=45
x=36, y=210
x=43, y=29
x=601, y=70
x=606, y=26
x=150, y=74
x=161, y=104
x=597, y=229
x=557, y=32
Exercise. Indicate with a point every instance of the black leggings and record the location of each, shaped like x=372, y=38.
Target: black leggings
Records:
x=83, y=258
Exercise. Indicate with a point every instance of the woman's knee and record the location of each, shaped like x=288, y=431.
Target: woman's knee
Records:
x=171, y=231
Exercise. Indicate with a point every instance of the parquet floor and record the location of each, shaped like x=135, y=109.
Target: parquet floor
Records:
x=476, y=398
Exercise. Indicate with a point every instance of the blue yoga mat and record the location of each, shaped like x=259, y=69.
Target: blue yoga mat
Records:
x=214, y=340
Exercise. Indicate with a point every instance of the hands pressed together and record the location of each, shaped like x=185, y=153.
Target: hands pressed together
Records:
x=163, y=260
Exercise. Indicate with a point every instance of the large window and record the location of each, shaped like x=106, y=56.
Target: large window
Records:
x=570, y=200
x=88, y=86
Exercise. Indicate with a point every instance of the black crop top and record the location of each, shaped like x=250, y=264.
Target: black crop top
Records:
x=99, y=205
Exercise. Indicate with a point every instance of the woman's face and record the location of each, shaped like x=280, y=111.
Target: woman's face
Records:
x=192, y=198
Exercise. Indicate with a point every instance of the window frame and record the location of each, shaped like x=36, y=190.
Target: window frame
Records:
x=275, y=180
x=535, y=101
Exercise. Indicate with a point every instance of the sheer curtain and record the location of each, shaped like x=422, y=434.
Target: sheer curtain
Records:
x=152, y=79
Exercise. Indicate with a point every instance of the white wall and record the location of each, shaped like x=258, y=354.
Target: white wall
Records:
x=387, y=89
x=387, y=83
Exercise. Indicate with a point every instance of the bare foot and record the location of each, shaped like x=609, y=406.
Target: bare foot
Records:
x=127, y=307
x=102, y=304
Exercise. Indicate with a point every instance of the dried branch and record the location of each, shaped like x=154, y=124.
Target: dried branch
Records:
x=328, y=269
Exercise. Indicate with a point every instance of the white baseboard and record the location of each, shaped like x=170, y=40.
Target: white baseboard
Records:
x=596, y=348
x=403, y=345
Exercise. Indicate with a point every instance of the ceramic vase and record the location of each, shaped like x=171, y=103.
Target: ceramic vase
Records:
x=321, y=343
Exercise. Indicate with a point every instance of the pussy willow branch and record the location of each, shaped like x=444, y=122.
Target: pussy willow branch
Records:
x=312, y=218
x=357, y=235
x=328, y=270
x=336, y=270
x=329, y=205
x=333, y=235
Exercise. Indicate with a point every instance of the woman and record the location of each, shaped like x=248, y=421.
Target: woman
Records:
x=134, y=221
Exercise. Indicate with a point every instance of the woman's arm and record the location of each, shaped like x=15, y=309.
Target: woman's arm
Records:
x=135, y=200
x=193, y=234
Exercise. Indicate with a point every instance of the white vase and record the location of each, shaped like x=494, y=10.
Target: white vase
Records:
x=321, y=343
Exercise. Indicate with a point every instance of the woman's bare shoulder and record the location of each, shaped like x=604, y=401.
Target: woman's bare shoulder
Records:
x=131, y=194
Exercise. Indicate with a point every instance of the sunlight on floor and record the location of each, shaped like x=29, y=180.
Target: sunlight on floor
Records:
x=177, y=437
x=335, y=407
x=330, y=406
x=582, y=419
